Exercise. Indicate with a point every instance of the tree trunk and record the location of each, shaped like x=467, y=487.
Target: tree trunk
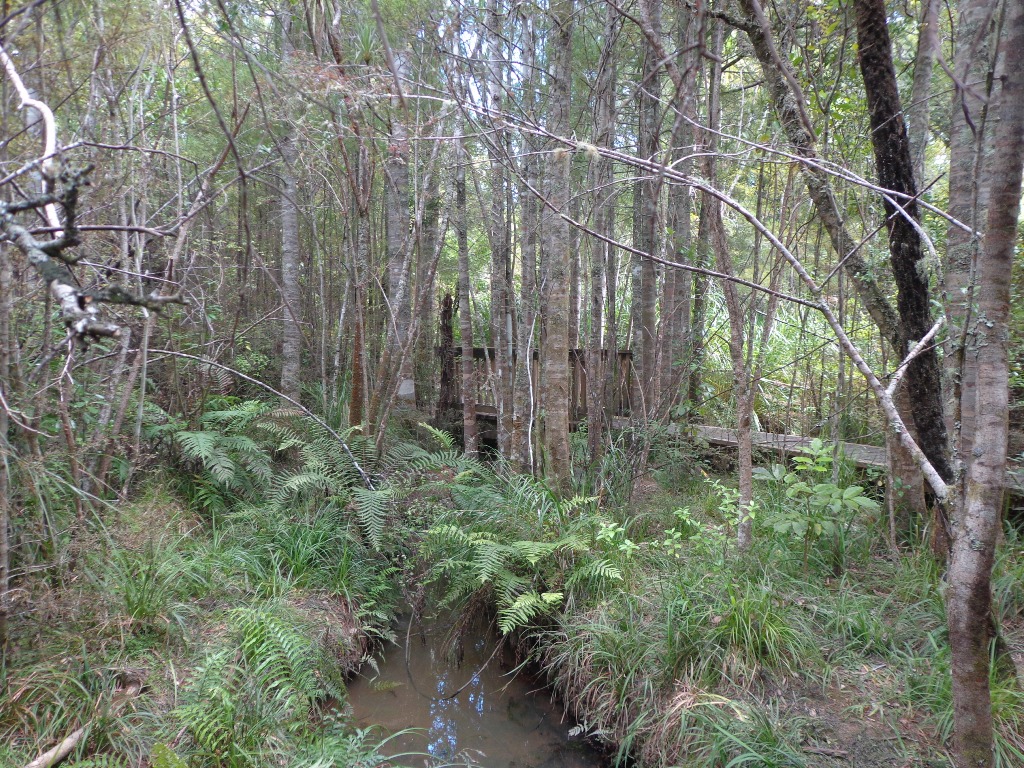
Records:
x=919, y=109
x=469, y=436
x=600, y=362
x=357, y=396
x=973, y=64
x=501, y=288
x=709, y=214
x=523, y=406
x=554, y=369
x=895, y=169
x=645, y=224
x=399, y=255
x=291, y=292
x=976, y=524
x=678, y=289
x=447, y=402
x=426, y=393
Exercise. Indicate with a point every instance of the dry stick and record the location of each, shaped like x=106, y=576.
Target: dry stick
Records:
x=59, y=752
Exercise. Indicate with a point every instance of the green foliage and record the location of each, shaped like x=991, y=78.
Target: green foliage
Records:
x=149, y=583
x=162, y=756
x=755, y=628
x=256, y=690
x=815, y=508
x=371, y=507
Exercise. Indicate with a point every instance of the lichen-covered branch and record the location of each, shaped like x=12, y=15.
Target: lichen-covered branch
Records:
x=79, y=307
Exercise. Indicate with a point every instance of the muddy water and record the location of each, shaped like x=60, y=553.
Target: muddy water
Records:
x=474, y=713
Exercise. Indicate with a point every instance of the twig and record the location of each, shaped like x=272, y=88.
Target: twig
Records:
x=827, y=751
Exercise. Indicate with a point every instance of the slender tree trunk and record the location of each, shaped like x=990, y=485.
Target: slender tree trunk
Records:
x=600, y=359
x=358, y=393
x=554, y=370
x=426, y=393
x=895, y=169
x=501, y=288
x=709, y=212
x=976, y=524
x=973, y=65
x=469, y=435
x=678, y=287
x=524, y=407
x=919, y=109
x=291, y=292
x=646, y=226
x=399, y=254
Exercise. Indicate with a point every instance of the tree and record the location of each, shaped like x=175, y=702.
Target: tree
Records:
x=554, y=359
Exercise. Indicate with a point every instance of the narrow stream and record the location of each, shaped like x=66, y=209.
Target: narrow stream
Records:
x=475, y=713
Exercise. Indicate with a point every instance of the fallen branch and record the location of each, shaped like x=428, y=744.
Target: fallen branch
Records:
x=59, y=752
x=132, y=680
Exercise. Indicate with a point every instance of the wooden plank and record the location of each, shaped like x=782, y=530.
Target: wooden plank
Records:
x=860, y=455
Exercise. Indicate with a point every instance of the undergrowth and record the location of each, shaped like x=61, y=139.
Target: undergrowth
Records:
x=817, y=648
x=212, y=621
x=243, y=609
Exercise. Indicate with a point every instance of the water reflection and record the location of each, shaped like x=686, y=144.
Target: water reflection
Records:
x=471, y=713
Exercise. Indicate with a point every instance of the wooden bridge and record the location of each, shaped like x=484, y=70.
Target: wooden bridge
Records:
x=623, y=394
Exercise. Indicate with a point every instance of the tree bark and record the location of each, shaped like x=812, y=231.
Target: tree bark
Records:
x=895, y=168
x=678, y=285
x=426, y=394
x=976, y=524
x=645, y=225
x=523, y=405
x=291, y=292
x=919, y=109
x=600, y=362
x=469, y=436
x=501, y=288
x=973, y=64
x=554, y=369
x=399, y=253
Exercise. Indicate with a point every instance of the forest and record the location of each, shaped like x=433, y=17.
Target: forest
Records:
x=666, y=356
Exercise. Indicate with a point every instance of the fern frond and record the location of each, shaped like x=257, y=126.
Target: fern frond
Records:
x=444, y=438
x=525, y=608
x=371, y=509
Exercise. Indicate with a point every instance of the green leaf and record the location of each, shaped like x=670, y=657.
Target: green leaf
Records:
x=162, y=756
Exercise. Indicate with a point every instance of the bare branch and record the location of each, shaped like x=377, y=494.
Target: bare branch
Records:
x=919, y=347
x=49, y=133
x=79, y=308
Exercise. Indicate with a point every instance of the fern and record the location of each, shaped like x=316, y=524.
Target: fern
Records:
x=258, y=691
x=525, y=608
x=444, y=438
x=280, y=655
x=371, y=508
x=595, y=572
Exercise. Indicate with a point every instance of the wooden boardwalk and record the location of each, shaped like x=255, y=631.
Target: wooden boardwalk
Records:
x=484, y=385
x=860, y=455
